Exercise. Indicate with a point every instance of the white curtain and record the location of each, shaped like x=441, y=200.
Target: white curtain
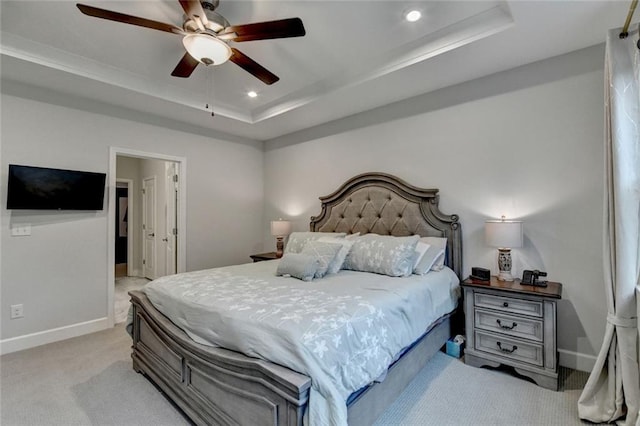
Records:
x=612, y=392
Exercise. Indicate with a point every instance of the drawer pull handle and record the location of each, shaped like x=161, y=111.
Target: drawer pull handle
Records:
x=506, y=327
x=505, y=304
x=509, y=351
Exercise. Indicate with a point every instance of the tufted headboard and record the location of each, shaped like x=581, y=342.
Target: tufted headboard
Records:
x=384, y=204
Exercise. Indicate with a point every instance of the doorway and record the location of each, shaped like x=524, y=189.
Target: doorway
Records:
x=124, y=242
x=154, y=238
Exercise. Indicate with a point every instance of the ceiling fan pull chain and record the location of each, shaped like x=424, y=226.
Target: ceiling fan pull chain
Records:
x=209, y=90
x=207, y=83
x=210, y=67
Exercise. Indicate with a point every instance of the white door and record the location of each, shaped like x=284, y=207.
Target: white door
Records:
x=171, y=228
x=149, y=227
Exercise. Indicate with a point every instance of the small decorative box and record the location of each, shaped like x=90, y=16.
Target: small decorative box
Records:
x=455, y=347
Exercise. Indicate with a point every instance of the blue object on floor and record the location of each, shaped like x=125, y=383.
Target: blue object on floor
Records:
x=455, y=347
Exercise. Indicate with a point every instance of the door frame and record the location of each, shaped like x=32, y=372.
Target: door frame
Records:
x=145, y=208
x=111, y=240
x=170, y=193
x=130, y=224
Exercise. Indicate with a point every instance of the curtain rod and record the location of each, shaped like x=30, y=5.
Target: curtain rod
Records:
x=625, y=29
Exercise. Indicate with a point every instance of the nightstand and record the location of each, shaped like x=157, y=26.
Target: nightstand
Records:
x=263, y=256
x=512, y=324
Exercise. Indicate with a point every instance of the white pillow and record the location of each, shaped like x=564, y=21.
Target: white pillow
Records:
x=322, y=251
x=440, y=243
x=346, y=244
x=433, y=258
x=421, y=248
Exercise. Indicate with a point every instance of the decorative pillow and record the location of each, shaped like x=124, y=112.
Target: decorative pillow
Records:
x=433, y=258
x=421, y=248
x=345, y=245
x=298, y=266
x=382, y=254
x=324, y=252
x=297, y=240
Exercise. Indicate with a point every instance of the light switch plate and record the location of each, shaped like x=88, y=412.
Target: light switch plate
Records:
x=21, y=230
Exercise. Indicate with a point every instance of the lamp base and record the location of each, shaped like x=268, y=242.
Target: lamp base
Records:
x=504, y=264
x=279, y=246
x=505, y=276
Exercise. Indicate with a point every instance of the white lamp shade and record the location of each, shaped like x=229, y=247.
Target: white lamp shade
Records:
x=204, y=46
x=503, y=233
x=280, y=228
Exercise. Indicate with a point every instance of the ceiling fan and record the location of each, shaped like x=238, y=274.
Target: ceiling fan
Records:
x=206, y=35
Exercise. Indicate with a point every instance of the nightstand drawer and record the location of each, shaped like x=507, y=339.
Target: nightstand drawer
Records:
x=526, y=328
x=508, y=304
x=506, y=347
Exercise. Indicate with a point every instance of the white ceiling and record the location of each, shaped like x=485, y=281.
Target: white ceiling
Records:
x=356, y=55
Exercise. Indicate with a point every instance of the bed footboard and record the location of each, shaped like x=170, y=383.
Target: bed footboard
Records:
x=213, y=385
x=369, y=405
x=222, y=387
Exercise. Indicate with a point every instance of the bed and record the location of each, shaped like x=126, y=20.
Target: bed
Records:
x=213, y=385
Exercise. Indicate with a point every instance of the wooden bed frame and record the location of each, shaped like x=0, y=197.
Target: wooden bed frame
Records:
x=218, y=386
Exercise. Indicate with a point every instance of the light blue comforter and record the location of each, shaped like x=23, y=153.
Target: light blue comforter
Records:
x=342, y=330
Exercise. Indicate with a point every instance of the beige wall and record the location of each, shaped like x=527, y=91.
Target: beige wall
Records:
x=59, y=273
x=526, y=143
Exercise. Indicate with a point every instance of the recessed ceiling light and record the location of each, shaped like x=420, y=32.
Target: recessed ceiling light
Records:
x=252, y=94
x=413, y=15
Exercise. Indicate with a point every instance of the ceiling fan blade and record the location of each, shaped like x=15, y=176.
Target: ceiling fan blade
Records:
x=252, y=67
x=283, y=28
x=185, y=67
x=128, y=19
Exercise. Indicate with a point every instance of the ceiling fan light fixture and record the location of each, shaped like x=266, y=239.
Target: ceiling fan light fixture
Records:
x=207, y=49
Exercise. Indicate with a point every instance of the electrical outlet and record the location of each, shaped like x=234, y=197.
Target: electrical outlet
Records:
x=21, y=230
x=17, y=311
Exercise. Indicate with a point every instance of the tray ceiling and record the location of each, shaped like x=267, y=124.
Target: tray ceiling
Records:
x=356, y=55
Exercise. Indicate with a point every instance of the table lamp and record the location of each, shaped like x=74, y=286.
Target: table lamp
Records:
x=280, y=229
x=504, y=235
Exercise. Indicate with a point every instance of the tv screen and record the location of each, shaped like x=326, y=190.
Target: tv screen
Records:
x=40, y=188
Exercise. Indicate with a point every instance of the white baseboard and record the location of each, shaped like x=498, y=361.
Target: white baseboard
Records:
x=27, y=341
x=576, y=360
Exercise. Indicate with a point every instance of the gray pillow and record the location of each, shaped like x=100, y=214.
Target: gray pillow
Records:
x=382, y=254
x=324, y=252
x=298, y=266
x=297, y=240
x=346, y=244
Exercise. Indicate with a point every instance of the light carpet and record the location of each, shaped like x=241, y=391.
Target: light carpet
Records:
x=88, y=380
x=121, y=297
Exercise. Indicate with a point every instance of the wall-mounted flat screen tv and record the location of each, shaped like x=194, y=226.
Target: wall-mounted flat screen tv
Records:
x=40, y=188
